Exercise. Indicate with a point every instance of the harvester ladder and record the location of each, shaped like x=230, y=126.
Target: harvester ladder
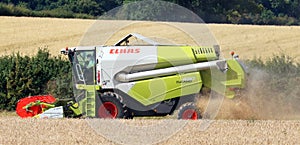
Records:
x=90, y=101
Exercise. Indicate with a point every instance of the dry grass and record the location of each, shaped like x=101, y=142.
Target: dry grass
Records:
x=259, y=41
x=7, y=113
x=78, y=131
x=28, y=34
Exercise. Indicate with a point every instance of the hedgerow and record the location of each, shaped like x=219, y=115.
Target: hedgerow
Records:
x=23, y=76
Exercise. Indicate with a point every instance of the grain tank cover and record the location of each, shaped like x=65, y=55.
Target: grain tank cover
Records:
x=125, y=40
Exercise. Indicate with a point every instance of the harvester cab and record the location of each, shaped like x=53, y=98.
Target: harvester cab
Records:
x=83, y=62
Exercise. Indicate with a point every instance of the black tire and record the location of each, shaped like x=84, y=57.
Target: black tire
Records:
x=189, y=111
x=110, y=107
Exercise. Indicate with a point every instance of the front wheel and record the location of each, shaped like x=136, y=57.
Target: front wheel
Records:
x=189, y=111
x=110, y=107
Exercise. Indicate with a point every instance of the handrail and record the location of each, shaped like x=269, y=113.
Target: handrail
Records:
x=79, y=72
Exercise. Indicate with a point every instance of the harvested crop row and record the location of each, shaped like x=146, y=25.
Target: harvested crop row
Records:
x=164, y=131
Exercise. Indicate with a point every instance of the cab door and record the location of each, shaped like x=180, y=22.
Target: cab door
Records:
x=84, y=67
x=85, y=92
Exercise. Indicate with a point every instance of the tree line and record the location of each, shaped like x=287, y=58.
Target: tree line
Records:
x=272, y=12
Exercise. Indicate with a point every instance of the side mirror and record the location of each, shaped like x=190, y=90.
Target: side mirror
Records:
x=63, y=52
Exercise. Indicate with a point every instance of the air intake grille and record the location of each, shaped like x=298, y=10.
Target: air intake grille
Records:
x=203, y=50
x=204, y=53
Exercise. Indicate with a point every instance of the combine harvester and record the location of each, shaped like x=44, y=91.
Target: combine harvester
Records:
x=149, y=79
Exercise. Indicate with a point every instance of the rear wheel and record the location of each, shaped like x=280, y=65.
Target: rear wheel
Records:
x=110, y=107
x=189, y=111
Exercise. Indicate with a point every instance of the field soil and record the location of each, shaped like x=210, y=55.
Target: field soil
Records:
x=243, y=120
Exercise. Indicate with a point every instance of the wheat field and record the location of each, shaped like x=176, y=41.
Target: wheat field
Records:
x=235, y=123
x=26, y=35
x=137, y=131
